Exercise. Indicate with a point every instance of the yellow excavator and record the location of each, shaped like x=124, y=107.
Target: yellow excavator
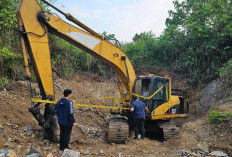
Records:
x=34, y=25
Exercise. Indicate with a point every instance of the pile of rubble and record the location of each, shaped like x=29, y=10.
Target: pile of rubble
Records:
x=202, y=151
x=34, y=153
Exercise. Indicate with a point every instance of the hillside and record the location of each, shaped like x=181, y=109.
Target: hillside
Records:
x=20, y=131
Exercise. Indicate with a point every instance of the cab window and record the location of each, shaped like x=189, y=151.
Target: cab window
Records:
x=158, y=85
x=142, y=87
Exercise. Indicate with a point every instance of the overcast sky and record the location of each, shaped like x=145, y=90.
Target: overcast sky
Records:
x=123, y=18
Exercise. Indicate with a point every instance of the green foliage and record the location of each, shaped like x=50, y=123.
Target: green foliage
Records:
x=8, y=24
x=3, y=82
x=44, y=6
x=230, y=99
x=195, y=44
x=218, y=117
x=9, y=64
x=140, y=52
x=105, y=34
x=226, y=70
x=33, y=78
x=7, y=15
x=9, y=61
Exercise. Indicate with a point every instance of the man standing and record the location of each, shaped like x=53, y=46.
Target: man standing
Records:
x=66, y=120
x=139, y=116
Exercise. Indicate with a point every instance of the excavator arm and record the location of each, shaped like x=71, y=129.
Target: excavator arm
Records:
x=34, y=25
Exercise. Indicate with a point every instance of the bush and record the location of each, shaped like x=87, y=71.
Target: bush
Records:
x=3, y=82
x=9, y=62
x=226, y=70
x=218, y=117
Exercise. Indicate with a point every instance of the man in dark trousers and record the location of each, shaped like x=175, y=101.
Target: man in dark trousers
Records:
x=138, y=108
x=66, y=120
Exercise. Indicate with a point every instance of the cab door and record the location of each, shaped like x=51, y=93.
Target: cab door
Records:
x=163, y=95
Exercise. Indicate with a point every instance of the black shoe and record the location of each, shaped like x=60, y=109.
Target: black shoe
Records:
x=61, y=149
x=135, y=138
x=141, y=139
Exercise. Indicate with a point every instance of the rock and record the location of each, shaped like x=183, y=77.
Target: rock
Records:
x=201, y=149
x=39, y=149
x=21, y=135
x=101, y=152
x=5, y=134
x=19, y=147
x=45, y=148
x=218, y=154
x=8, y=124
x=28, y=133
x=119, y=155
x=1, y=128
x=50, y=155
x=3, y=153
x=194, y=154
x=33, y=153
x=182, y=152
x=27, y=128
x=70, y=153
x=185, y=153
x=86, y=152
x=8, y=153
x=6, y=145
x=11, y=154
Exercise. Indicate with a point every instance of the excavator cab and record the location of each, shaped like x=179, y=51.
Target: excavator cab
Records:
x=155, y=92
x=146, y=86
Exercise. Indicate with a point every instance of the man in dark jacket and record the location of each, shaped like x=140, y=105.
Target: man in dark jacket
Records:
x=138, y=108
x=66, y=120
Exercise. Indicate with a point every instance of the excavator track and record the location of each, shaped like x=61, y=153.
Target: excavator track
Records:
x=169, y=130
x=118, y=130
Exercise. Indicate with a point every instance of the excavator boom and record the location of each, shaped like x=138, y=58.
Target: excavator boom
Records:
x=35, y=24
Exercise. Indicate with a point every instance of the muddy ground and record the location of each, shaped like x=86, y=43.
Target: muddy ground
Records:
x=19, y=129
